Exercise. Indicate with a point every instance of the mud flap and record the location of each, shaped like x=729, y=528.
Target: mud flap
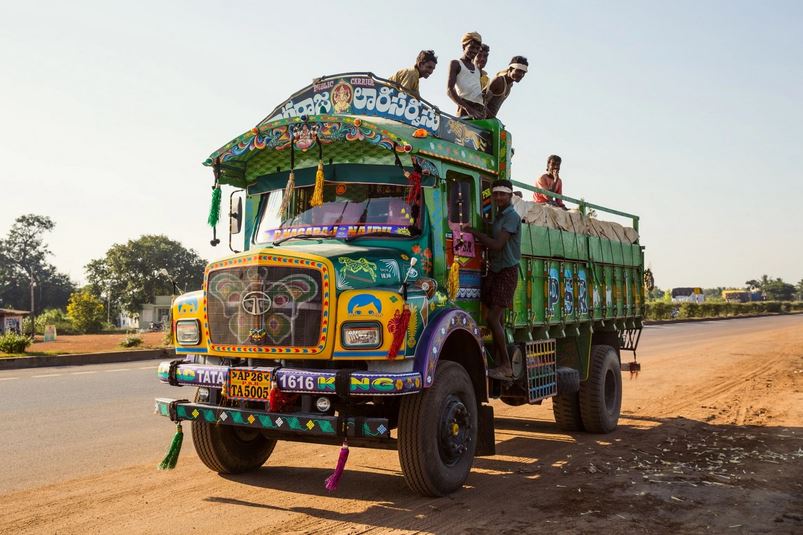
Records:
x=486, y=441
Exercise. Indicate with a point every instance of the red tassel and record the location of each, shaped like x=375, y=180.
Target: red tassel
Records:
x=278, y=400
x=334, y=479
x=414, y=178
x=398, y=326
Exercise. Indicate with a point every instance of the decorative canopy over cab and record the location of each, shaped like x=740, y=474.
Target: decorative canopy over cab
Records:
x=356, y=118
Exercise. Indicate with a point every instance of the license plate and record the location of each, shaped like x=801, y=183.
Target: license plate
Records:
x=251, y=385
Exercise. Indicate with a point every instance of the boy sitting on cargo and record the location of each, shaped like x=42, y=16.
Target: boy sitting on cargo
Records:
x=504, y=253
x=550, y=181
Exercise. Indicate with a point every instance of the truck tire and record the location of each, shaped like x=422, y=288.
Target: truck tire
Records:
x=566, y=404
x=230, y=450
x=438, y=432
x=601, y=395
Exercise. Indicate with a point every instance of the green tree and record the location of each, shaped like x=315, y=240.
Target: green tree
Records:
x=86, y=311
x=129, y=273
x=778, y=290
x=800, y=290
x=23, y=256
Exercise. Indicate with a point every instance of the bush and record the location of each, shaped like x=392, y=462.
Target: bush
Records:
x=14, y=343
x=657, y=310
x=86, y=311
x=131, y=340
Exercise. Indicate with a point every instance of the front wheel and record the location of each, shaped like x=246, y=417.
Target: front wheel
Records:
x=438, y=432
x=228, y=449
x=601, y=395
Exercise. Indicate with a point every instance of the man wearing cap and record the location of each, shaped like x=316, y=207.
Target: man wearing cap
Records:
x=409, y=78
x=499, y=88
x=504, y=254
x=464, y=86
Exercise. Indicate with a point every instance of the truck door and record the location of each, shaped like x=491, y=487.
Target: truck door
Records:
x=464, y=209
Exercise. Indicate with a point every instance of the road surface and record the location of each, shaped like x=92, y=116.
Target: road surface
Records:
x=711, y=440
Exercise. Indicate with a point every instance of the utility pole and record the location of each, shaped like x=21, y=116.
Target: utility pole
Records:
x=33, y=314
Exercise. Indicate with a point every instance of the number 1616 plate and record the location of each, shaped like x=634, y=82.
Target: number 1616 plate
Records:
x=248, y=384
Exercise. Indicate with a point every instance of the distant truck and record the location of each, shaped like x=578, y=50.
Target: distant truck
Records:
x=357, y=316
x=687, y=295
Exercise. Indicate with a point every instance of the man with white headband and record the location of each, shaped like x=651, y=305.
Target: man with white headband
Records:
x=498, y=287
x=499, y=88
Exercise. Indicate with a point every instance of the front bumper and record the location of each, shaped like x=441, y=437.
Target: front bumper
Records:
x=310, y=425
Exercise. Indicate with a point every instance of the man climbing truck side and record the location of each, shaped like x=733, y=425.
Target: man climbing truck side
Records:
x=353, y=316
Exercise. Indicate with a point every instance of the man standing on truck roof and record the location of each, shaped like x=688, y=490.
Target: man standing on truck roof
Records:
x=409, y=78
x=499, y=88
x=504, y=254
x=480, y=61
x=464, y=86
x=550, y=181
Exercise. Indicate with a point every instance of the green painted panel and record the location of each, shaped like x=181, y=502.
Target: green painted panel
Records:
x=540, y=289
x=636, y=254
x=608, y=294
x=520, y=299
x=595, y=248
x=526, y=240
x=554, y=236
x=553, y=304
x=607, y=253
x=616, y=248
x=582, y=247
x=619, y=291
x=627, y=254
x=570, y=245
x=540, y=240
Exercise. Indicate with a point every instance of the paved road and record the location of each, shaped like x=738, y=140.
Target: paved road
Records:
x=67, y=422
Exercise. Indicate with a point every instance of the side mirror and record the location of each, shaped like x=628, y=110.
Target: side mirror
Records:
x=235, y=215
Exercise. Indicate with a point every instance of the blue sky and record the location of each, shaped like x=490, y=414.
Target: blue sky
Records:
x=686, y=113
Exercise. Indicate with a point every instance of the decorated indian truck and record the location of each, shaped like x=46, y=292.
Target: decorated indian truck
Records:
x=352, y=316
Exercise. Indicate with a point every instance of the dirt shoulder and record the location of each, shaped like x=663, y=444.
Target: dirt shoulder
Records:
x=711, y=441
x=91, y=343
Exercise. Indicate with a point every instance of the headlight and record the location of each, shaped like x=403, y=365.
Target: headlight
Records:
x=188, y=333
x=366, y=335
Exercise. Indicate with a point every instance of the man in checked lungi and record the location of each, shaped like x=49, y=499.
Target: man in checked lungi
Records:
x=498, y=287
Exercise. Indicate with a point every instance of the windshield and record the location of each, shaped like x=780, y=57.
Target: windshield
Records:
x=354, y=210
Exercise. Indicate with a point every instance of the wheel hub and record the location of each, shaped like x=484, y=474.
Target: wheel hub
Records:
x=454, y=430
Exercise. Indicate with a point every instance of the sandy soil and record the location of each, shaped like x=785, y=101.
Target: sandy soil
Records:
x=93, y=343
x=711, y=441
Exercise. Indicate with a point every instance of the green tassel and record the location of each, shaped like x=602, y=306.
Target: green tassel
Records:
x=171, y=458
x=214, y=210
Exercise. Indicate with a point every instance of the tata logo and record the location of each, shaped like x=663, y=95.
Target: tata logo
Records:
x=256, y=303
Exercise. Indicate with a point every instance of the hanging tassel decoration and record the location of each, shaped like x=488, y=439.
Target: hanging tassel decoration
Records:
x=291, y=180
x=398, y=327
x=214, y=209
x=279, y=400
x=334, y=479
x=171, y=457
x=453, y=284
x=414, y=180
x=317, y=194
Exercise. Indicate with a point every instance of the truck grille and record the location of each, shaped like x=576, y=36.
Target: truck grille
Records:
x=265, y=306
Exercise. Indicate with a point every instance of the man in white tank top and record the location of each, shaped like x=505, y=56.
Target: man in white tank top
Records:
x=464, y=86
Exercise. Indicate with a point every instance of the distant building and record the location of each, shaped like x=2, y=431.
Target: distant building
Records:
x=156, y=312
x=11, y=320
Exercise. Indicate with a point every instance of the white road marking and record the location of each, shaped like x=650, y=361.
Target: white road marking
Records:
x=148, y=368
x=81, y=373
x=48, y=375
x=8, y=378
x=118, y=370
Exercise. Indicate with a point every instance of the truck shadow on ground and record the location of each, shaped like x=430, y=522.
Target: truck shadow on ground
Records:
x=649, y=474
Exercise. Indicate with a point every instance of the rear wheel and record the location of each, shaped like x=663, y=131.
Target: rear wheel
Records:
x=601, y=395
x=438, y=432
